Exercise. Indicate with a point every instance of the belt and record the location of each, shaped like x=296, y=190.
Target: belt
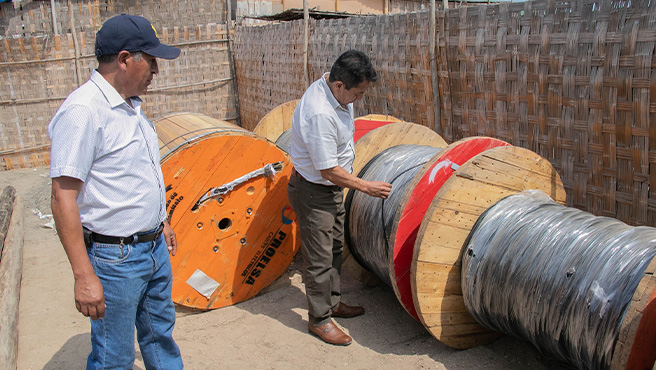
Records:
x=330, y=187
x=136, y=238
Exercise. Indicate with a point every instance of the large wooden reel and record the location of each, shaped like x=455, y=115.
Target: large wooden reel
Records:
x=177, y=128
x=414, y=204
x=237, y=243
x=474, y=187
x=277, y=121
x=369, y=145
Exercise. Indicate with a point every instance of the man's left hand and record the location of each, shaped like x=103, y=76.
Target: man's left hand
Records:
x=169, y=236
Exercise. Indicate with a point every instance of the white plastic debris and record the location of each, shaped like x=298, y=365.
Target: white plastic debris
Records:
x=51, y=221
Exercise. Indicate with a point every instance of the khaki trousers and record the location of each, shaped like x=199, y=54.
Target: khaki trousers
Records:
x=320, y=214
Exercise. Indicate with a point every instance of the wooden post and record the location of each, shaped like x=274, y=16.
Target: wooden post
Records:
x=11, y=268
x=231, y=58
x=6, y=206
x=437, y=127
x=75, y=43
x=54, y=17
x=306, y=41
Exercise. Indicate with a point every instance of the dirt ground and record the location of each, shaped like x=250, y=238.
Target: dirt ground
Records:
x=266, y=332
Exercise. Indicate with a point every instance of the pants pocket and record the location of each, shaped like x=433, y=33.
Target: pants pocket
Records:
x=110, y=253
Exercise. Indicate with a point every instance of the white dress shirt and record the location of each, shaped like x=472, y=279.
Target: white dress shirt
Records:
x=97, y=137
x=322, y=133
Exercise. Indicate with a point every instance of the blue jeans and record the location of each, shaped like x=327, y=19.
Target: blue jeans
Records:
x=136, y=280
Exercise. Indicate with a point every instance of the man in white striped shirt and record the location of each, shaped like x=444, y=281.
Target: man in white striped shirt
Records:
x=108, y=201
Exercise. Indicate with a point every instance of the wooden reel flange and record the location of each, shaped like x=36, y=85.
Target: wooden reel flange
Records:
x=277, y=121
x=635, y=347
x=435, y=271
x=414, y=204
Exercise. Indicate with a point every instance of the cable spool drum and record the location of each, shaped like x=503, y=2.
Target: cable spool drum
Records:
x=364, y=124
x=243, y=236
x=369, y=219
x=177, y=128
x=277, y=121
x=435, y=272
x=366, y=148
x=284, y=141
x=414, y=204
x=563, y=279
x=634, y=348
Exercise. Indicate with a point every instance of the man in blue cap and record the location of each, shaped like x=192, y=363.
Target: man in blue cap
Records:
x=108, y=201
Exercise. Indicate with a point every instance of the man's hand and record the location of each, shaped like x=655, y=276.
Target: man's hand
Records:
x=89, y=296
x=378, y=189
x=169, y=236
x=340, y=177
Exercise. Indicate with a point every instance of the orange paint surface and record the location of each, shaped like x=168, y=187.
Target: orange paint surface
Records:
x=242, y=240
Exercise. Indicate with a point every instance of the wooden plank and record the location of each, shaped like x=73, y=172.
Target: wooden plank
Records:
x=11, y=267
x=6, y=209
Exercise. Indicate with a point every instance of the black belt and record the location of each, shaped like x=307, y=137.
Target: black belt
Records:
x=136, y=238
x=330, y=187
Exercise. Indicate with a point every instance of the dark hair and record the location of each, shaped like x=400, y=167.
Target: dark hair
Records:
x=352, y=68
x=106, y=58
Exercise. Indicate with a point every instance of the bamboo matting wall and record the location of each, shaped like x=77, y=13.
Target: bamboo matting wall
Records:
x=39, y=71
x=269, y=68
x=574, y=81
x=34, y=18
x=269, y=63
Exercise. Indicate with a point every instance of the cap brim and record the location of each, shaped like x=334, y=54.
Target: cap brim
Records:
x=163, y=51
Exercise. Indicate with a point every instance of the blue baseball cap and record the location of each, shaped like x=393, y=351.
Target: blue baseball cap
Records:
x=131, y=33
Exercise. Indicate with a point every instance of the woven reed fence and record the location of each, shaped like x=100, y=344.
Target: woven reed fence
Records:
x=574, y=81
x=269, y=63
x=40, y=69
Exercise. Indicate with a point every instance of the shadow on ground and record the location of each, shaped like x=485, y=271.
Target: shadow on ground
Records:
x=73, y=354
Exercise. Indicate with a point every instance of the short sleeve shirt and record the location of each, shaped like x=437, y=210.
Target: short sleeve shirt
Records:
x=322, y=133
x=97, y=137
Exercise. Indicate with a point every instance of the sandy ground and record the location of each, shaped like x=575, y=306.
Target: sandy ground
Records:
x=266, y=332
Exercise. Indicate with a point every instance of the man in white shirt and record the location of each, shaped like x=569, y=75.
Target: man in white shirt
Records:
x=322, y=152
x=108, y=201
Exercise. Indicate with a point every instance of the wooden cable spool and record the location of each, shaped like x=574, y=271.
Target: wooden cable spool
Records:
x=364, y=124
x=579, y=287
x=177, y=128
x=277, y=121
x=369, y=146
x=415, y=203
x=237, y=242
x=635, y=347
x=435, y=271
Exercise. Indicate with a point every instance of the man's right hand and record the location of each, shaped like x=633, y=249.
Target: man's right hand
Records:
x=378, y=189
x=89, y=296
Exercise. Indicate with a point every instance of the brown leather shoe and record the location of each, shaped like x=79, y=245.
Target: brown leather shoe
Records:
x=343, y=310
x=330, y=333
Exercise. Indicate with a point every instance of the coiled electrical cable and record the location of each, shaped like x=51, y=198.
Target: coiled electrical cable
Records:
x=284, y=141
x=556, y=276
x=369, y=219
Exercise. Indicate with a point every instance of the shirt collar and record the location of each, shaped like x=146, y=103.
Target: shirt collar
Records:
x=329, y=94
x=113, y=97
